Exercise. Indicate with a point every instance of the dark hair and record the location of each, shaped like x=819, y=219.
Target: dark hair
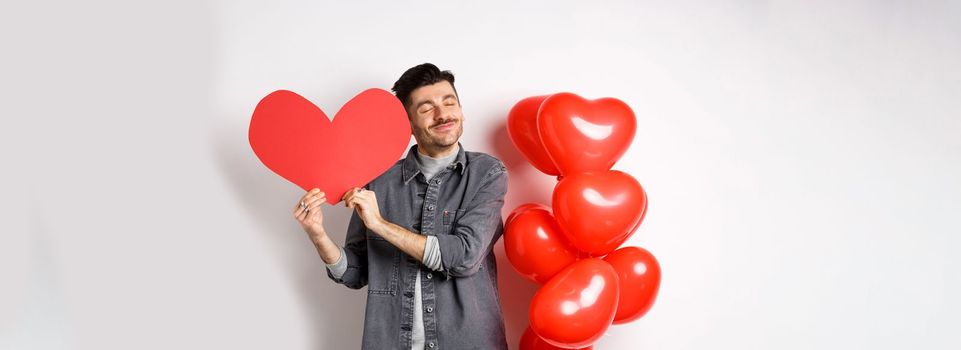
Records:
x=417, y=76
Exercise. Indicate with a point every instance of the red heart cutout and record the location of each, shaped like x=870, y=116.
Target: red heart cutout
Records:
x=583, y=135
x=296, y=140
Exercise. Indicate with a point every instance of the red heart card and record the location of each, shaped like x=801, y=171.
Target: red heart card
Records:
x=296, y=140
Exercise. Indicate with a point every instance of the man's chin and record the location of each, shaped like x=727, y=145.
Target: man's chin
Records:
x=444, y=143
x=447, y=144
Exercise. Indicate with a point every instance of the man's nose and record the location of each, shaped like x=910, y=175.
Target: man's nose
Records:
x=446, y=113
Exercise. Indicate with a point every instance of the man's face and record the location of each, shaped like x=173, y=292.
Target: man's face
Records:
x=436, y=120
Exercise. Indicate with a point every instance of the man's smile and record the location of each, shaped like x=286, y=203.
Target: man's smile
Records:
x=446, y=126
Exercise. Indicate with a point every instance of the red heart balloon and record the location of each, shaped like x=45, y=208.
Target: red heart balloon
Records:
x=599, y=211
x=576, y=306
x=583, y=135
x=640, y=278
x=520, y=209
x=522, y=129
x=535, y=245
x=530, y=341
x=296, y=140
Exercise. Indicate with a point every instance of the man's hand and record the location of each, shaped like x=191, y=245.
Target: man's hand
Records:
x=308, y=213
x=365, y=203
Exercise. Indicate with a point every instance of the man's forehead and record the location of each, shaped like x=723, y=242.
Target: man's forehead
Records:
x=441, y=89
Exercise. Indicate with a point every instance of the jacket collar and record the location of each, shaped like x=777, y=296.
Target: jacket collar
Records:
x=410, y=163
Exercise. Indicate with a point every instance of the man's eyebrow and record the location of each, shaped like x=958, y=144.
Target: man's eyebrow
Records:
x=422, y=103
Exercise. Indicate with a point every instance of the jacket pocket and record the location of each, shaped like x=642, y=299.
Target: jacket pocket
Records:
x=383, y=262
x=449, y=218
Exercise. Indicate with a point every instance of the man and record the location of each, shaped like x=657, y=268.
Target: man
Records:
x=422, y=233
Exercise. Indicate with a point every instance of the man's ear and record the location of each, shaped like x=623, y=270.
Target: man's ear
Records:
x=410, y=122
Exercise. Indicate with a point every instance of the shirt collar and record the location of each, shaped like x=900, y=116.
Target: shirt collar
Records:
x=410, y=162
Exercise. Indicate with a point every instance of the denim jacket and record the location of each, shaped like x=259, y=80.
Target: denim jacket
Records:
x=461, y=206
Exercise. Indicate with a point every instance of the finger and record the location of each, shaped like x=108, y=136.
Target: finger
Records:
x=351, y=192
x=364, y=196
x=357, y=203
x=309, y=193
x=300, y=211
x=349, y=196
x=319, y=197
x=306, y=198
x=357, y=195
x=303, y=207
x=315, y=205
x=349, y=201
x=301, y=214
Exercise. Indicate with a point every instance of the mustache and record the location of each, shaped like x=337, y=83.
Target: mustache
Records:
x=443, y=122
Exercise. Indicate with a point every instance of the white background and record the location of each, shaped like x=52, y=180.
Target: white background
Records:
x=802, y=161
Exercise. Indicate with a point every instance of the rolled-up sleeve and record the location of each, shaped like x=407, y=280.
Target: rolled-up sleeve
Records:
x=338, y=268
x=432, y=257
x=475, y=232
x=354, y=252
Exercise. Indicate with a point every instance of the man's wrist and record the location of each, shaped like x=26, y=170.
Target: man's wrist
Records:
x=329, y=251
x=319, y=237
x=378, y=225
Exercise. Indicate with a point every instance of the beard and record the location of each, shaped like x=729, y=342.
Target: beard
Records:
x=446, y=139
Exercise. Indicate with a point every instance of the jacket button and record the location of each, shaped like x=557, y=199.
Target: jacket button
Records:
x=430, y=345
x=437, y=182
x=430, y=309
x=430, y=275
x=430, y=207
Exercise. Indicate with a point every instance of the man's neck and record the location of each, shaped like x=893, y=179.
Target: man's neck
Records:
x=437, y=152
